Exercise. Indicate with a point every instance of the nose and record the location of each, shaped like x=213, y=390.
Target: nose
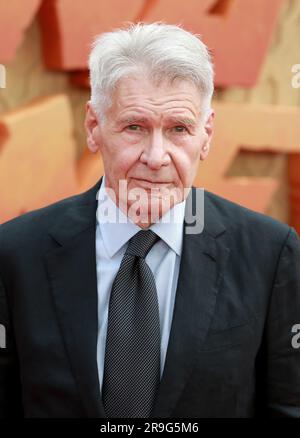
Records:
x=155, y=155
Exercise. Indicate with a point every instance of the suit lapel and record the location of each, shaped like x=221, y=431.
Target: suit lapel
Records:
x=71, y=265
x=203, y=261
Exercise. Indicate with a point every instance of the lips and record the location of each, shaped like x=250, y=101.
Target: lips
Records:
x=151, y=182
x=147, y=183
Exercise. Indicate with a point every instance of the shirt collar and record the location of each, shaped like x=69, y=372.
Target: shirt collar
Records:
x=115, y=233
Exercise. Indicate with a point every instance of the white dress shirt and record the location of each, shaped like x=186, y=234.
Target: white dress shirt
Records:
x=163, y=259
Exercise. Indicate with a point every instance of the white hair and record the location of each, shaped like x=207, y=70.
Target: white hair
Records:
x=159, y=50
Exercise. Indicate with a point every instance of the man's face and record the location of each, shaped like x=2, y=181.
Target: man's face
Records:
x=152, y=137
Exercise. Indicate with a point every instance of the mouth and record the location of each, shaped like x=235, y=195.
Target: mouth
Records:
x=148, y=183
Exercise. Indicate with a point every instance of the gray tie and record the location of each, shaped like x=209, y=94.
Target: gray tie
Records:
x=132, y=356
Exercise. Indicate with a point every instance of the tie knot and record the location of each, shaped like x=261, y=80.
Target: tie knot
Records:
x=141, y=243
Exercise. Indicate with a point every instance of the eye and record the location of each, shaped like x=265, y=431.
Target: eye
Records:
x=133, y=127
x=180, y=128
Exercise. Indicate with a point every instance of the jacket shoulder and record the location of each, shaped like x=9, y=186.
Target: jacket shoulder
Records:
x=34, y=224
x=239, y=219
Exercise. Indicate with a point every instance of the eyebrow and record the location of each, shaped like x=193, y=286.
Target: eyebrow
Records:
x=176, y=119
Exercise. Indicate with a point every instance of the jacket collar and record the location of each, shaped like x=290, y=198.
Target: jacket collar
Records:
x=71, y=265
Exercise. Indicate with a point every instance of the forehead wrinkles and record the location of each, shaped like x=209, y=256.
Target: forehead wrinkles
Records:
x=176, y=101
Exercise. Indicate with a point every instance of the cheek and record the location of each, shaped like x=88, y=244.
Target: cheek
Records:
x=186, y=160
x=120, y=156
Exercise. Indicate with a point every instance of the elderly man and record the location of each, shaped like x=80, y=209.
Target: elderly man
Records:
x=113, y=304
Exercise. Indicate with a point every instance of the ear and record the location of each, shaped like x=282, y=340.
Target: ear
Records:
x=91, y=125
x=208, y=129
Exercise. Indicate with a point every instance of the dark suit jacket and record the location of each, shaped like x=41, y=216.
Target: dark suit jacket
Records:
x=230, y=350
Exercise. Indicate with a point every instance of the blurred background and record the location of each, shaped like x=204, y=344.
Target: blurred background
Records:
x=44, y=85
